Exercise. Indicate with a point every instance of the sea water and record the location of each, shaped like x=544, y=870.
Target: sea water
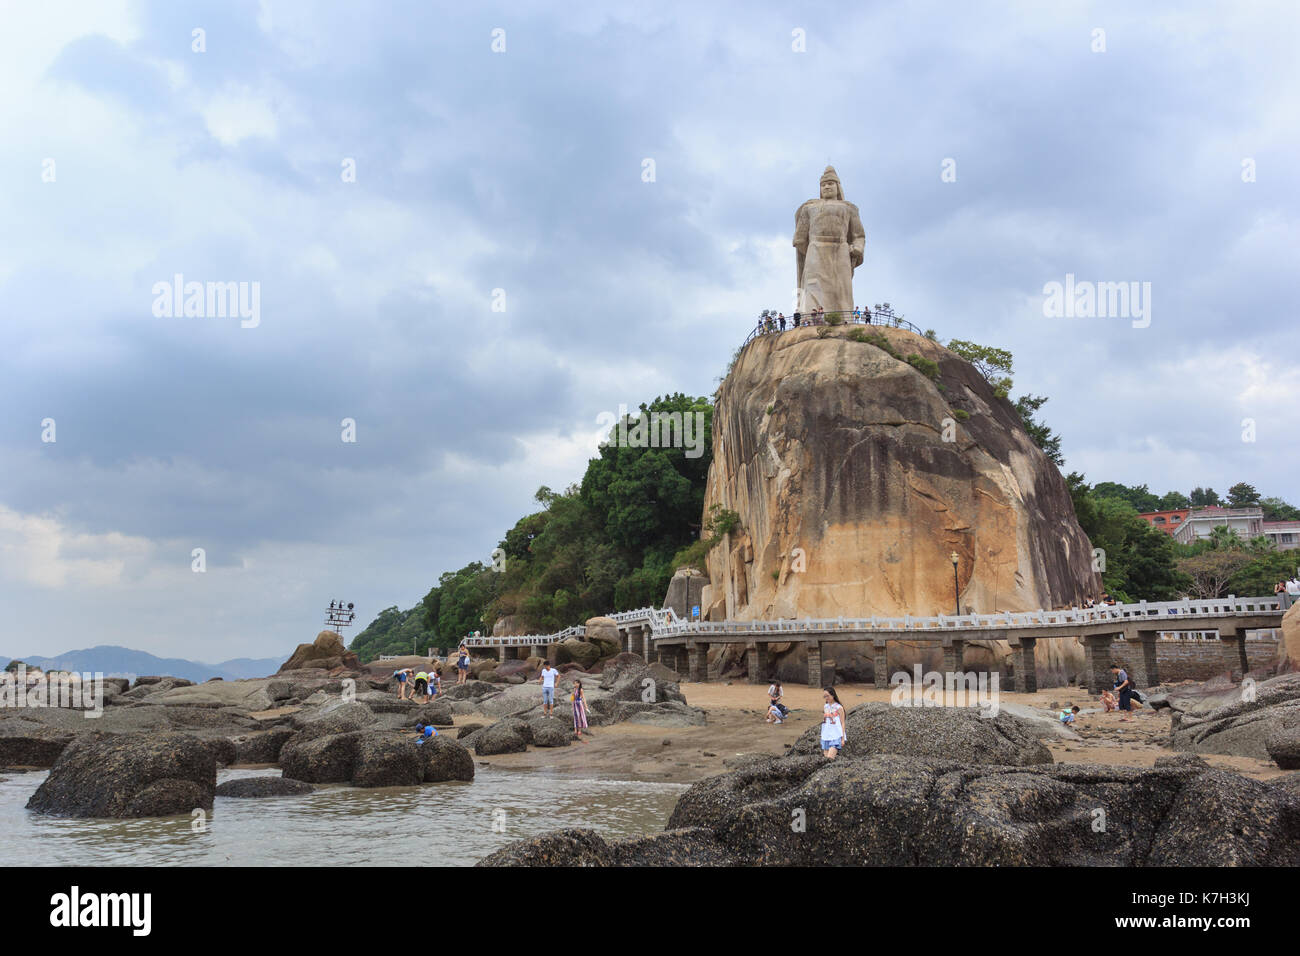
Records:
x=439, y=824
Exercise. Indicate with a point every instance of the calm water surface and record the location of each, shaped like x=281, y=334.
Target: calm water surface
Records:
x=446, y=824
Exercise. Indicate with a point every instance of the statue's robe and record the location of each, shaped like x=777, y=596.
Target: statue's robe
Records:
x=829, y=237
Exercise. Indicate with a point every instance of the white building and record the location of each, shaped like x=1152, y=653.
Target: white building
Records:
x=1246, y=522
x=1284, y=534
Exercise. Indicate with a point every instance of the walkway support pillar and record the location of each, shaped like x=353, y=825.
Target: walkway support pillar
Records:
x=1150, y=661
x=954, y=649
x=756, y=661
x=1025, y=678
x=814, y=663
x=1234, y=654
x=1096, y=654
x=881, y=661
x=697, y=662
x=648, y=642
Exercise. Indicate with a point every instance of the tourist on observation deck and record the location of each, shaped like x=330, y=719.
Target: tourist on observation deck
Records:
x=797, y=318
x=780, y=321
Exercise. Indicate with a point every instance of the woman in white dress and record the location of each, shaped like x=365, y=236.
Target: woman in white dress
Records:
x=833, y=730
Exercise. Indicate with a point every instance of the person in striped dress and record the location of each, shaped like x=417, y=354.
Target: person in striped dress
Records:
x=579, y=709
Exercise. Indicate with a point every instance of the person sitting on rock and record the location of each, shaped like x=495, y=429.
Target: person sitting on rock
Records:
x=424, y=732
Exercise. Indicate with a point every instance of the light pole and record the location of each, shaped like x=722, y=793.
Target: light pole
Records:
x=956, y=590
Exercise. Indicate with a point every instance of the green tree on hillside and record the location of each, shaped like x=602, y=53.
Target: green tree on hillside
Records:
x=994, y=364
x=1275, y=509
x=1173, y=501
x=1027, y=406
x=1242, y=495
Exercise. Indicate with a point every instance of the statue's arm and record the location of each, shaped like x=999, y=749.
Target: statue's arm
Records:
x=801, y=229
x=857, y=237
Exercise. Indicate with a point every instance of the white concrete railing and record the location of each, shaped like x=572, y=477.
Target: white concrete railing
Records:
x=665, y=622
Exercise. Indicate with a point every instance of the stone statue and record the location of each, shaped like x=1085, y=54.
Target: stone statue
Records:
x=829, y=238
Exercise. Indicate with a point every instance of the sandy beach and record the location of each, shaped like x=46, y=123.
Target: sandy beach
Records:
x=736, y=726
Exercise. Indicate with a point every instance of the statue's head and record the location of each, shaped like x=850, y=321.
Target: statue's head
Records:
x=831, y=188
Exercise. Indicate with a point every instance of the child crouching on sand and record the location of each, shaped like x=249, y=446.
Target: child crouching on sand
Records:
x=1108, y=701
x=774, y=713
x=1067, y=716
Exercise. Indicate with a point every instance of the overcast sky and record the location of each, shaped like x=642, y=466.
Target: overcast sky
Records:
x=130, y=157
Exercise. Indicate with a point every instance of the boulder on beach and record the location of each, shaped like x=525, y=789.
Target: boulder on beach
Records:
x=327, y=652
x=960, y=734
x=445, y=759
x=573, y=650
x=551, y=732
x=1234, y=720
x=506, y=736
x=602, y=633
x=1283, y=746
x=250, y=787
x=129, y=775
x=263, y=747
x=891, y=810
x=35, y=747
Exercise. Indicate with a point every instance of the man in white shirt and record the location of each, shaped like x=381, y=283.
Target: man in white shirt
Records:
x=547, y=679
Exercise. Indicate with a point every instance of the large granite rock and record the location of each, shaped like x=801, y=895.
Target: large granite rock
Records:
x=574, y=651
x=950, y=733
x=1236, y=720
x=327, y=652
x=376, y=758
x=686, y=591
x=889, y=810
x=603, y=633
x=850, y=501
x=1289, y=651
x=129, y=775
x=506, y=736
x=263, y=747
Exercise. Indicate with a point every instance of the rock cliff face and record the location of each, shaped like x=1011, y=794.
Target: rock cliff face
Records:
x=855, y=477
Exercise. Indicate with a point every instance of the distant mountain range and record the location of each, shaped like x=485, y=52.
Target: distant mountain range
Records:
x=114, y=661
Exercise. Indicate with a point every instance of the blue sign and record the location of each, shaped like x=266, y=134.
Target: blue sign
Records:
x=695, y=610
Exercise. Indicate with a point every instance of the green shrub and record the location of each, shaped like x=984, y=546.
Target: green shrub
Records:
x=834, y=318
x=961, y=414
x=927, y=367
x=722, y=520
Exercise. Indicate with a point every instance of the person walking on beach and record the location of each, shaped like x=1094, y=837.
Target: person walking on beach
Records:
x=579, y=710
x=421, y=685
x=1123, y=687
x=833, y=733
x=547, y=679
x=462, y=664
x=435, y=682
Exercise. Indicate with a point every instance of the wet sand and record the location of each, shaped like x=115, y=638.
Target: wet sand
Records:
x=736, y=726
